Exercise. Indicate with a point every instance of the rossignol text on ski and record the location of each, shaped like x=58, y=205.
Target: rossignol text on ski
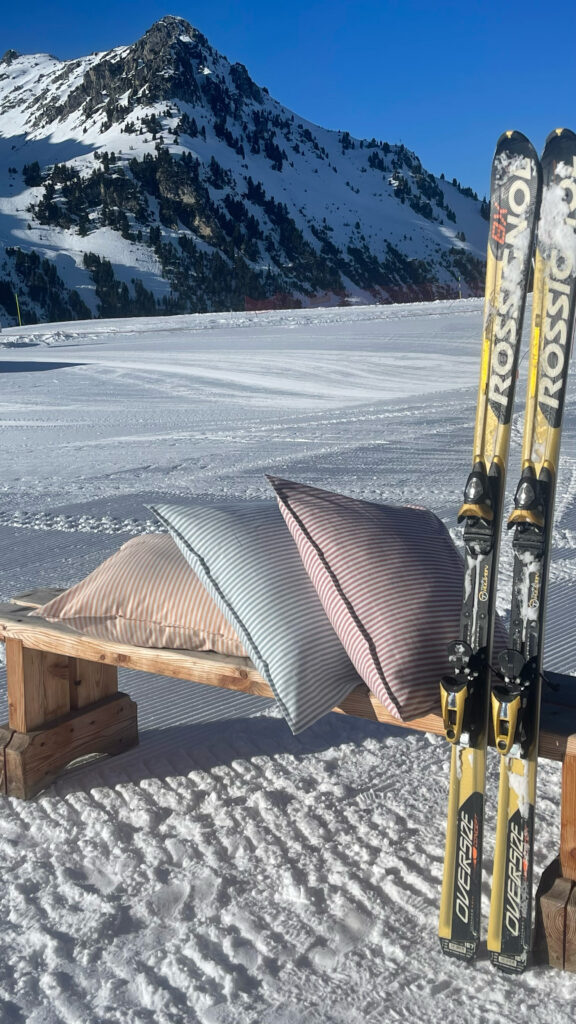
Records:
x=516, y=696
x=465, y=696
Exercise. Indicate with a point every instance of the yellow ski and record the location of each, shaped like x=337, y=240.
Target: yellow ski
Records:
x=516, y=697
x=465, y=696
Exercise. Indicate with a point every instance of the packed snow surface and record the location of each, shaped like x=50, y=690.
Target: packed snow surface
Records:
x=225, y=872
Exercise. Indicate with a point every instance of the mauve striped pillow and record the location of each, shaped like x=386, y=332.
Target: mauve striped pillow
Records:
x=390, y=581
x=146, y=594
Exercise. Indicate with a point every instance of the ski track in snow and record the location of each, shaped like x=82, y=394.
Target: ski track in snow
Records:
x=225, y=872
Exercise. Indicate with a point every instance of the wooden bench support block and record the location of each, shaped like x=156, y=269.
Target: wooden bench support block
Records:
x=43, y=685
x=570, y=943
x=38, y=686
x=568, y=812
x=6, y=734
x=32, y=760
x=550, y=932
x=90, y=681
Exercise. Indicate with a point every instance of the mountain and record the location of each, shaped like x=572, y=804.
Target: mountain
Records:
x=158, y=177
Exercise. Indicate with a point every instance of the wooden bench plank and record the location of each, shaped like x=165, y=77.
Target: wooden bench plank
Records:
x=236, y=673
x=194, y=666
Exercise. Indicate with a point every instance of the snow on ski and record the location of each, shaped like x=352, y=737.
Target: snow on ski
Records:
x=516, y=699
x=465, y=696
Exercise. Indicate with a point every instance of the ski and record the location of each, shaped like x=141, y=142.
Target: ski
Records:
x=465, y=696
x=516, y=697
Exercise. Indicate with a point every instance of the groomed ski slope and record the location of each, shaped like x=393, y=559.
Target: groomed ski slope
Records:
x=225, y=872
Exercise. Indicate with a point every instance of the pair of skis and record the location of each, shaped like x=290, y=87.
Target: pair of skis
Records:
x=528, y=198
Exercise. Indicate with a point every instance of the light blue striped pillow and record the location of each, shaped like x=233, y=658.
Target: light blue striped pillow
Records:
x=245, y=557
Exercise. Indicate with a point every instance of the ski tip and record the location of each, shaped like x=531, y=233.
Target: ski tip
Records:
x=514, y=157
x=559, y=131
x=515, y=142
x=512, y=133
x=559, y=141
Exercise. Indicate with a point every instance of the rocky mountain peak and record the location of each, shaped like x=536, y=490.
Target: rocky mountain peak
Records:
x=170, y=38
x=167, y=61
x=10, y=56
x=170, y=28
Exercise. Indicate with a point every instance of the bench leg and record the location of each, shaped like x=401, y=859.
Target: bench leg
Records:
x=60, y=709
x=555, y=941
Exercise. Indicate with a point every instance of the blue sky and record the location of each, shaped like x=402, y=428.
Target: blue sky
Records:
x=443, y=78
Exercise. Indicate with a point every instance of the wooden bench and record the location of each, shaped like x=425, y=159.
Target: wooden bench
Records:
x=64, y=704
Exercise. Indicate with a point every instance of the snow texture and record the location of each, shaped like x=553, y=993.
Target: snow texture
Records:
x=558, y=218
x=519, y=783
x=225, y=872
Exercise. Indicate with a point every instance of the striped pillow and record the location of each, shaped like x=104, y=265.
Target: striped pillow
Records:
x=146, y=594
x=247, y=560
x=390, y=580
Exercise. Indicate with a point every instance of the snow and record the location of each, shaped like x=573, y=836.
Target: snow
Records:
x=321, y=183
x=226, y=872
x=518, y=773
x=527, y=599
x=558, y=218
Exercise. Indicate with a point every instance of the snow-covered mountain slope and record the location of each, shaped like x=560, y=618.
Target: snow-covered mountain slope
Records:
x=158, y=177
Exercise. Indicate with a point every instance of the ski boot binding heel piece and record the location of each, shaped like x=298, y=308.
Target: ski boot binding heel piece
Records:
x=453, y=696
x=456, y=690
x=509, y=702
x=506, y=708
x=528, y=503
x=478, y=502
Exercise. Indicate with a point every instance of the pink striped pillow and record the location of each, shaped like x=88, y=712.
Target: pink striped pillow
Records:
x=390, y=581
x=147, y=595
